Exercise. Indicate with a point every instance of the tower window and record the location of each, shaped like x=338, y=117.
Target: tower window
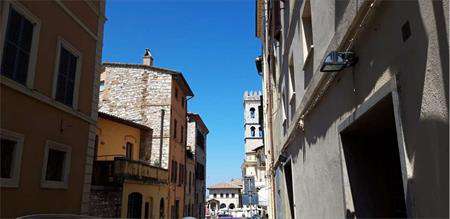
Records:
x=252, y=131
x=252, y=112
x=260, y=132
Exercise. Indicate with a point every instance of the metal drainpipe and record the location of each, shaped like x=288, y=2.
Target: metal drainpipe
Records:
x=161, y=135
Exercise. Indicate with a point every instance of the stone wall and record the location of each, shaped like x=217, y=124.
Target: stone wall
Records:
x=104, y=202
x=139, y=94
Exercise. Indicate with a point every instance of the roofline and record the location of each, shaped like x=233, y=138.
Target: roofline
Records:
x=123, y=121
x=224, y=187
x=159, y=69
x=200, y=120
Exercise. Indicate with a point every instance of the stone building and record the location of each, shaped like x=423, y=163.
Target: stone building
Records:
x=355, y=107
x=124, y=184
x=50, y=54
x=189, y=186
x=196, y=142
x=254, y=162
x=157, y=98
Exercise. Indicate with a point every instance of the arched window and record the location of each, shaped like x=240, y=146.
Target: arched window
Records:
x=223, y=205
x=161, y=208
x=260, y=132
x=134, y=205
x=231, y=206
x=252, y=131
x=252, y=112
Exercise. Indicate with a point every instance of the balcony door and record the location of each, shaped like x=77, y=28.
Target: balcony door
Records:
x=129, y=151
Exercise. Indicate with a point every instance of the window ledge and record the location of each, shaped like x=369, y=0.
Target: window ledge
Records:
x=43, y=98
x=54, y=184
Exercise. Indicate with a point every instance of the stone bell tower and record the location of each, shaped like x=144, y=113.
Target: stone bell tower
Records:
x=253, y=130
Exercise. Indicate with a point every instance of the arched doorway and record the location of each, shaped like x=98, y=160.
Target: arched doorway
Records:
x=161, y=208
x=223, y=205
x=231, y=206
x=213, y=206
x=134, y=205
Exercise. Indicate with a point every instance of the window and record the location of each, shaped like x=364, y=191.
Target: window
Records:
x=227, y=195
x=252, y=131
x=161, y=208
x=289, y=184
x=146, y=210
x=19, y=45
x=176, y=93
x=260, y=132
x=181, y=177
x=129, y=151
x=55, y=173
x=221, y=195
x=174, y=171
x=232, y=195
x=102, y=86
x=175, y=129
x=11, y=144
x=215, y=195
x=182, y=135
x=190, y=181
x=307, y=33
x=252, y=112
x=283, y=114
x=291, y=82
x=67, y=74
x=200, y=139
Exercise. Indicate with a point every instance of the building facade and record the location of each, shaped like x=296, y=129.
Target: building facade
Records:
x=224, y=198
x=157, y=98
x=196, y=142
x=124, y=184
x=50, y=55
x=369, y=139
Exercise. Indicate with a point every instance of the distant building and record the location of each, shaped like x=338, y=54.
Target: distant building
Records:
x=225, y=198
x=50, y=55
x=124, y=184
x=196, y=142
x=157, y=98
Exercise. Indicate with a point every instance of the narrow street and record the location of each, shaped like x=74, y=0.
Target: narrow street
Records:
x=252, y=109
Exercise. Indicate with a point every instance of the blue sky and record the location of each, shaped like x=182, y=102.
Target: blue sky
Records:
x=213, y=43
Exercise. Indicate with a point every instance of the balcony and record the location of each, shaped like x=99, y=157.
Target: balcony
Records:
x=115, y=171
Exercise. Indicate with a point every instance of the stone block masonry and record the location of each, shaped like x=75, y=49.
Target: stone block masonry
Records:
x=139, y=93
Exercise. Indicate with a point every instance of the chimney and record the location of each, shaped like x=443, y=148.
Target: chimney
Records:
x=147, y=59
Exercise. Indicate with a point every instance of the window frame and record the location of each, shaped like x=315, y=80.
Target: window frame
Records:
x=61, y=42
x=13, y=182
x=50, y=184
x=22, y=10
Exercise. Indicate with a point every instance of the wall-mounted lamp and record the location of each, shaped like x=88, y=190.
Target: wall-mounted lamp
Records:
x=258, y=63
x=336, y=61
x=283, y=158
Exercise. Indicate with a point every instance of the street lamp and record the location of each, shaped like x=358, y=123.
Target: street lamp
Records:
x=336, y=61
